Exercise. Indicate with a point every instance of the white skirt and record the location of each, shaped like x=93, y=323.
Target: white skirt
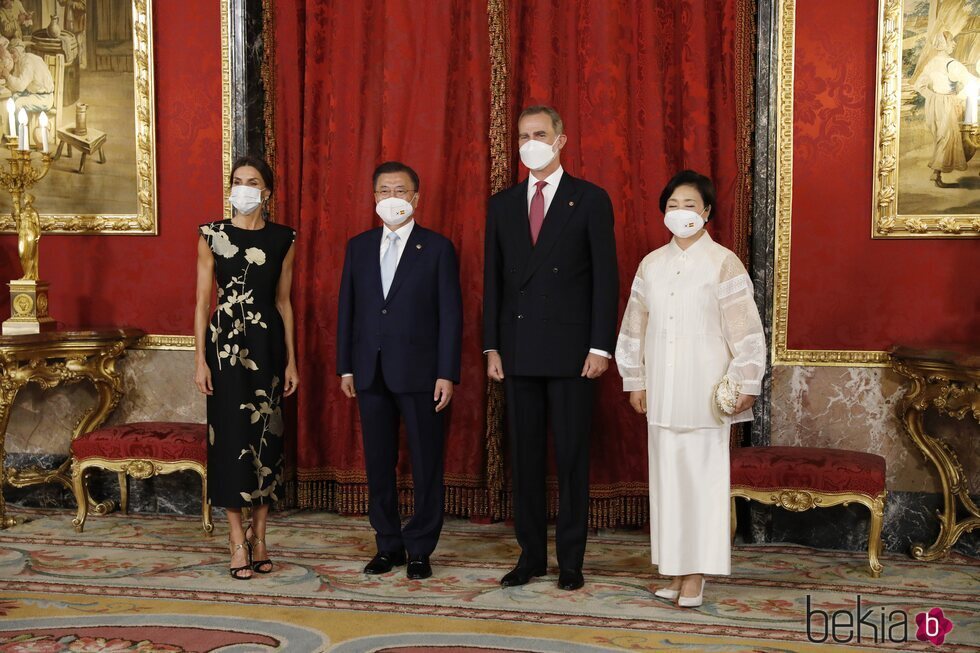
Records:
x=690, y=501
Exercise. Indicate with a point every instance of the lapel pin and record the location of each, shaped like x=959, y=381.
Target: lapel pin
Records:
x=418, y=247
x=571, y=203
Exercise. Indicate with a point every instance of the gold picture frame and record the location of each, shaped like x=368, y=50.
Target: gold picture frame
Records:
x=914, y=145
x=781, y=353
x=143, y=219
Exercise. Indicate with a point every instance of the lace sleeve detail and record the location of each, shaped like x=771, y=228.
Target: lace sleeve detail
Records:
x=630, y=358
x=742, y=326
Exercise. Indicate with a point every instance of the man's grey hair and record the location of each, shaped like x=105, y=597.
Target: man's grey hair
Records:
x=556, y=120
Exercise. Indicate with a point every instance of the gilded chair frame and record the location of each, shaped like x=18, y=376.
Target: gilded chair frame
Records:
x=141, y=468
x=801, y=500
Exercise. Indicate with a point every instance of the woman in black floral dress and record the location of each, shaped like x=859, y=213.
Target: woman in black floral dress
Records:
x=245, y=358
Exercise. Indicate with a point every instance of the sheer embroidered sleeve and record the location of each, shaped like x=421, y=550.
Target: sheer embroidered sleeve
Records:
x=630, y=355
x=742, y=326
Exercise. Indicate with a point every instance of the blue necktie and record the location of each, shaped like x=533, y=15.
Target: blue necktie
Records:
x=389, y=262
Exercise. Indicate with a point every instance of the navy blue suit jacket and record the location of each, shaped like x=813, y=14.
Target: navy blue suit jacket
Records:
x=417, y=330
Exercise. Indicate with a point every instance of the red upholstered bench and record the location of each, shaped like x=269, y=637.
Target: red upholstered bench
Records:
x=140, y=450
x=801, y=478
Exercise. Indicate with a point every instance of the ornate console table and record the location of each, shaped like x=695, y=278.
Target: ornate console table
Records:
x=949, y=381
x=59, y=358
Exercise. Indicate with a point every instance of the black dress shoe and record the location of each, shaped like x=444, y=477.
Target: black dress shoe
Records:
x=383, y=561
x=419, y=568
x=570, y=579
x=521, y=575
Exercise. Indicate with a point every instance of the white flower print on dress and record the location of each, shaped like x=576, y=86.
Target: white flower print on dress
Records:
x=220, y=244
x=255, y=256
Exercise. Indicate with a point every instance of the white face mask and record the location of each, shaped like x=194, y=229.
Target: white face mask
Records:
x=245, y=199
x=683, y=223
x=537, y=155
x=394, y=210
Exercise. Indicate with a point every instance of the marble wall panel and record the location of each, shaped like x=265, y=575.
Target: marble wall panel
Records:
x=855, y=408
x=158, y=387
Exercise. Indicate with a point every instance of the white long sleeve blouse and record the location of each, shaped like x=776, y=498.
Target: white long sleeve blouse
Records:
x=691, y=319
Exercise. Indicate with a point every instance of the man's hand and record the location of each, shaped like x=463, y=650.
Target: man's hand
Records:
x=744, y=403
x=595, y=366
x=443, y=394
x=638, y=400
x=495, y=366
x=347, y=386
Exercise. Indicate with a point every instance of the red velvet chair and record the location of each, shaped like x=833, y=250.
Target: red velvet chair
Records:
x=801, y=478
x=140, y=450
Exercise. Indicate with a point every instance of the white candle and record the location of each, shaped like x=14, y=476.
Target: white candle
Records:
x=43, y=120
x=971, y=107
x=11, y=119
x=22, y=119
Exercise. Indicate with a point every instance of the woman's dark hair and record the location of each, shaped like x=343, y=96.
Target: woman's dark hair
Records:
x=255, y=162
x=689, y=178
x=394, y=166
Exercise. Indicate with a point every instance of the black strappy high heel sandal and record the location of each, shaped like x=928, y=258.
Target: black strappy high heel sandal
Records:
x=237, y=572
x=258, y=566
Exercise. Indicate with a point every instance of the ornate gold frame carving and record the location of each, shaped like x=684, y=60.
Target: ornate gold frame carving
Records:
x=800, y=500
x=144, y=221
x=886, y=222
x=781, y=353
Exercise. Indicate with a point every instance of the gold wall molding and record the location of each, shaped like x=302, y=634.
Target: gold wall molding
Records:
x=886, y=221
x=226, y=126
x=144, y=221
x=165, y=342
x=781, y=353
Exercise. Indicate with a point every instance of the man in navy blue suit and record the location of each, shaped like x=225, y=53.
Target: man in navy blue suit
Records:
x=399, y=336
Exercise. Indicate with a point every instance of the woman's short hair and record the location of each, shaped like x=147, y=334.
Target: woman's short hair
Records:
x=702, y=184
x=255, y=162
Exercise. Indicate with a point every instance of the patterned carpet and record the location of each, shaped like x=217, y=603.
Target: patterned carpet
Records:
x=157, y=583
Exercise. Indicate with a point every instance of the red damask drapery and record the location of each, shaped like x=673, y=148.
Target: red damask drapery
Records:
x=645, y=89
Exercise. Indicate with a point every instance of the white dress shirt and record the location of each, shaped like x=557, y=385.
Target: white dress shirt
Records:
x=691, y=318
x=549, y=194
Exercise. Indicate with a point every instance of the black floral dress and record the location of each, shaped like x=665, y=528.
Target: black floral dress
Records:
x=246, y=352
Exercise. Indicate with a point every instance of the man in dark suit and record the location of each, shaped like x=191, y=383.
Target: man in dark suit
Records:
x=398, y=352
x=551, y=293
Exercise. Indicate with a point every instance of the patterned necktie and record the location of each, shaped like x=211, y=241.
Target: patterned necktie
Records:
x=389, y=262
x=536, y=215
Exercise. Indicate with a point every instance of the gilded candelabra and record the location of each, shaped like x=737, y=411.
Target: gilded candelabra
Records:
x=28, y=295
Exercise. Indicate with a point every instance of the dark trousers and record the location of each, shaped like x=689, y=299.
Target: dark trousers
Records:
x=565, y=403
x=380, y=412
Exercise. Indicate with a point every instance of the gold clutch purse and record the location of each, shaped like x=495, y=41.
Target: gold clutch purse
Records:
x=726, y=395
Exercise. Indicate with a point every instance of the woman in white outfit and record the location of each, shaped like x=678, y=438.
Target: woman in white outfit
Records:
x=691, y=320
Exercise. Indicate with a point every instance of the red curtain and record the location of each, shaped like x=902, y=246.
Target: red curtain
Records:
x=645, y=88
x=358, y=83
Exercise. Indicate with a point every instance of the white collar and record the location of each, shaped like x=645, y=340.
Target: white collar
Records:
x=693, y=247
x=403, y=232
x=553, y=179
